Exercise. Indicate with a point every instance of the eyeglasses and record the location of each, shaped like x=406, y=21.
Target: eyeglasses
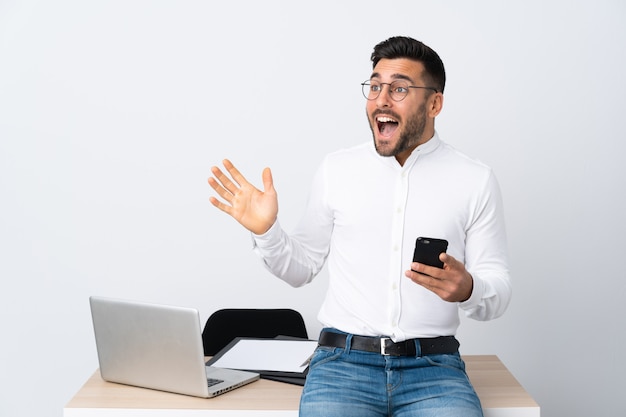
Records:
x=398, y=89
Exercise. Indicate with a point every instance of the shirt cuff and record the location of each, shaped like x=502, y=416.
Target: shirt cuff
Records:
x=476, y=297
x=267, y=239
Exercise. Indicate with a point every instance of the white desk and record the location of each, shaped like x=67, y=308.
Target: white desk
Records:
x=500, y=393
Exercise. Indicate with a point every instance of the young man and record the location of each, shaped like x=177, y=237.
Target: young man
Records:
x=388, y=346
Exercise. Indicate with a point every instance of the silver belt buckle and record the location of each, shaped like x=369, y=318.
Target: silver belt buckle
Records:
x=383, y=346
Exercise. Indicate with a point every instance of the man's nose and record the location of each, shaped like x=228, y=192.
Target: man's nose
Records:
x=384, y=97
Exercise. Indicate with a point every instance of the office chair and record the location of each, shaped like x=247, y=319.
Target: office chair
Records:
x=225, y=325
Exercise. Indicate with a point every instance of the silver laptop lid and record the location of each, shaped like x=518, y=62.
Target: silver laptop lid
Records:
x=154, y=346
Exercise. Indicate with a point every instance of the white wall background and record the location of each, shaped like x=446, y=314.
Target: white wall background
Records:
x=112, y=112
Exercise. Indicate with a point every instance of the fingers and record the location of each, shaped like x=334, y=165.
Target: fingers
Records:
x=220, y=190
x=227, y=187
x=268, y=181
x=234, y=173
x=224, y=207
x=428, y=270
x=452, y=283
x=425, y=275
x=449, y=261
x=450, y=264
x=437, y=285
x=222, y=183
x=430, y=277
x=225, y=183
x=224, y=187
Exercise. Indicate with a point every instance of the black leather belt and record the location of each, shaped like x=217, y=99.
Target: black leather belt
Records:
x=385, y=346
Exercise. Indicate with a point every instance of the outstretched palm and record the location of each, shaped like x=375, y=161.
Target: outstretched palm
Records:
x=256, y=210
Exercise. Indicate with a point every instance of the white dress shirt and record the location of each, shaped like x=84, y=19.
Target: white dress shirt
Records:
x=363, y=216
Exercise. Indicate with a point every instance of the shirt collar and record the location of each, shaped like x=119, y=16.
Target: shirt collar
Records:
x=425, y=148
x=428, y=147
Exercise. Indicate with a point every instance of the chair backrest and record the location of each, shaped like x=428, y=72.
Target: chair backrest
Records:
x=225, y=325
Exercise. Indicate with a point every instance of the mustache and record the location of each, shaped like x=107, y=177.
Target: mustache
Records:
x=389, y=113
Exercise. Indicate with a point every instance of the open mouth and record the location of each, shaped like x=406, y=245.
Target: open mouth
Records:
x=386, y=125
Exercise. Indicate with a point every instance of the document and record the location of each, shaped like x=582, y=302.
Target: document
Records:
x=273, y=355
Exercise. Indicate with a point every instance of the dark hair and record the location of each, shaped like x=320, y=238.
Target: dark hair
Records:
x=405, y=47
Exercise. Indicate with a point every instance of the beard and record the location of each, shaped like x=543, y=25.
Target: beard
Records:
x=410, y=137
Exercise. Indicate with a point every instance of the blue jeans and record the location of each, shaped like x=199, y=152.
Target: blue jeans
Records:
x=350, y=383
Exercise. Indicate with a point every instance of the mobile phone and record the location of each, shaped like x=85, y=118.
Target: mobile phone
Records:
x=427, y=251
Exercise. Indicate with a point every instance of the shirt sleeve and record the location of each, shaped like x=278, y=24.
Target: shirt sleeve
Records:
x=297, y=258
x=486, y=257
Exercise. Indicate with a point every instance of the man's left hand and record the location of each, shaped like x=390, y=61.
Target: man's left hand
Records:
x=452, y=283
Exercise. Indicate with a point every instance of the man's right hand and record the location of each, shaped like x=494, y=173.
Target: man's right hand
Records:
x=256, y=210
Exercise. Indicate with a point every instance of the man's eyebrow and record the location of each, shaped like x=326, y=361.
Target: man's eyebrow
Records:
x=394, y=76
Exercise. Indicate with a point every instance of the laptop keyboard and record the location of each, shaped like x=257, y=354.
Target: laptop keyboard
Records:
x=213, y=381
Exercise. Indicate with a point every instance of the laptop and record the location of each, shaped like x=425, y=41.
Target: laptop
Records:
x=158, y=347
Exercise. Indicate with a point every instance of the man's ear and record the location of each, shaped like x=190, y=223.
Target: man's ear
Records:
x=435, y=104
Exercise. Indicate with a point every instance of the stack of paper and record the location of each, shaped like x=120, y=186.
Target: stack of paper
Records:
x=285, y=360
